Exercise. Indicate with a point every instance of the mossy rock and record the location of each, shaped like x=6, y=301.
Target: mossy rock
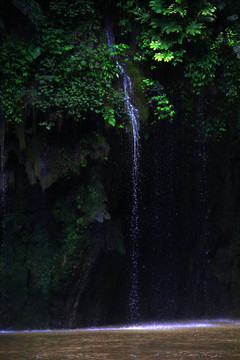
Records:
x=47, y=164
x=140, y=98
x=92, y=202
x=114, y=237
x=20, y=131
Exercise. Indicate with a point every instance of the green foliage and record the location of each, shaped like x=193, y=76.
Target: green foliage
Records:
x=80, y=80
x=73, y=215
x=34, y=51
x=66, y=69
x=194, y=28
x=201, y=71
x=218, y=68
x=15, y=66
x=165, y=56
x=108, y=115
x=158, y=100
x=171, y=28
x=119, y=50
x=92, y=203
x=215, y=126
x=161, y=7
x=65, y=10
x=170, y=24
x=66, y=72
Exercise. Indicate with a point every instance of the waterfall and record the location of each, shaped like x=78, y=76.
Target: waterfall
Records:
x=3, y=249
x=134, y=255
x=3, y=182
x=203, y=198
x=199, y=287
x=163, y=258
x=134, y=229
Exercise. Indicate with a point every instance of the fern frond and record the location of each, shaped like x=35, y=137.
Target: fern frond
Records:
x=173, y=10
x=157, y=5
x=194, y=28
x=208, y=10
x=181, y=38
x=172, y=27
x=142, y=16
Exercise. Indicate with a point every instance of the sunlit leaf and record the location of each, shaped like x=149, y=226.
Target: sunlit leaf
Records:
x=165, y=56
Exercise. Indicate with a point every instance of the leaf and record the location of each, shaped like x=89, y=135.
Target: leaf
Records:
x=142, y=15
x=172, y=27
x=209, y=9
x=160, y=7
x=194, y=28
x=162, y=44
x=108, y=115
x=112, y=121
x=173, y=9
x=233, y=17
x=181, y=38
x=68, y=47
x=157, y=6
x=166, y=56
x=34, y=51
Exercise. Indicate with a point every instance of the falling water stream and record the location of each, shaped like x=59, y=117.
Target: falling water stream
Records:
x=3, y=183
x=202, y=195
x=133, y=113
x=3, y=249
x=134, y=230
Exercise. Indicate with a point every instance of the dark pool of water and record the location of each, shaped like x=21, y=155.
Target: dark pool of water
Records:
x=215, y=340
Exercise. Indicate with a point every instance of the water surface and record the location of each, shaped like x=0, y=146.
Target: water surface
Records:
x=206, y=340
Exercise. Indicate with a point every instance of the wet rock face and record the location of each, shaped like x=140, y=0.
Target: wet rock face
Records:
x=63, y=248
x=47, y=163
x=189, y=228
x=66, y=254
x=89, y=290
x=88, y=287
x=67, y=221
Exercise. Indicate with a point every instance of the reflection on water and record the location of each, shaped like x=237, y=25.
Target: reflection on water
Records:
x=221, y=340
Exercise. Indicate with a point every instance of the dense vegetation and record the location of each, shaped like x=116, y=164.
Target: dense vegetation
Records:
x=55, y=60
x=65, y=170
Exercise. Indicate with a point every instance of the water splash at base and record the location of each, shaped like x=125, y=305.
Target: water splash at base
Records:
x=144, y=327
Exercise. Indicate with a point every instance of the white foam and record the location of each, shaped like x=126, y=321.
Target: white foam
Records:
x=170, y=325
x=142, y=326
